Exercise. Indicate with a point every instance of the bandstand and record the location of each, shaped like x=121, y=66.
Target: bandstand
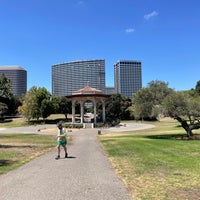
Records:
x=88, y=94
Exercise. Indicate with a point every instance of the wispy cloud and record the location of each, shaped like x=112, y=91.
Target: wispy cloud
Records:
x=80, y=2
x=150, y=15
x=130, y=30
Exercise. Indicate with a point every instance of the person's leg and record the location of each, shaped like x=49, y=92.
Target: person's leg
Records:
x=58, y=147
x=65, y=149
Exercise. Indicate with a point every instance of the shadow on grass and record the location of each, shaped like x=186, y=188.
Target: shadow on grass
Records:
x=165, y=136
x=174, y=137
x=14, y=146
x=49, y=121
x=6, y=121
x=5, y=162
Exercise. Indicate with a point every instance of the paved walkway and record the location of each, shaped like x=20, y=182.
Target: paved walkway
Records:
x=86, y=175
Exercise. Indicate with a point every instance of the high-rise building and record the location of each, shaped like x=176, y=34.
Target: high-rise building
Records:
x=128, y=77
x=110, y=90
x=71, y=76
x=18, y=77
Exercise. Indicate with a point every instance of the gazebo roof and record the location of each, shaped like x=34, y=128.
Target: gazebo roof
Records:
x=87, y=90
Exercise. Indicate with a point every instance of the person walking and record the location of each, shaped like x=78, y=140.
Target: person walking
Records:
x=61, y=140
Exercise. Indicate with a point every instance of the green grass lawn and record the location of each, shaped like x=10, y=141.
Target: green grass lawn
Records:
x=17, y=149
x=154, y=163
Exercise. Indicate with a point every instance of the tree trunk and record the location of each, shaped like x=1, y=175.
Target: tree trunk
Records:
x=185, y=126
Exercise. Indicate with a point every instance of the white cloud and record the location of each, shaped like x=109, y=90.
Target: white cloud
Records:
x=150, y=15
x=80, y=2
x=130, y=30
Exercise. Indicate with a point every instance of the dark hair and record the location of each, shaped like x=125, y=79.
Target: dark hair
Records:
x=59, y=124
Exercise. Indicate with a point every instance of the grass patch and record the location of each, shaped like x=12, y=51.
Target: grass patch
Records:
x=154, y=164
x=17, y=122
x=17, y=149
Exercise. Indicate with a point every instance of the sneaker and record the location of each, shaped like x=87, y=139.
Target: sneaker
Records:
x=58, y=157
x=66, y=155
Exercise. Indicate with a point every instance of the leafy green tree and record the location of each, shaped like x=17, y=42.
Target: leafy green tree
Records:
x=143, y=104
x=185, y=109
x=117, y=108
x=65, y=106
x=40, y=95
x=3, y=109
x=5, y=89
x=55, y=104
x=147, y=101
x=33, y=106
x=197, y=88
x=46, y=108
x=29, y=105
x=5, y=95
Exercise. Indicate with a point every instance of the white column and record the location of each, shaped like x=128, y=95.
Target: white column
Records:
x=95, y=112
x=82, y=111
x=73, y=111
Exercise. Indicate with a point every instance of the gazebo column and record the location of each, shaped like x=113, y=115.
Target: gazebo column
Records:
x=73, y=111
x=95, y=112
x=104, y=112
x=82, y=111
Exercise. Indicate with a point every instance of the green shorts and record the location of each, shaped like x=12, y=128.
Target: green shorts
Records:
x=62, y=143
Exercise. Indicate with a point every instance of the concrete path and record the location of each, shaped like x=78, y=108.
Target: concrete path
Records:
x=86, y=175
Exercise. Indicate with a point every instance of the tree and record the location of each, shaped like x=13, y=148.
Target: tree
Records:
x=33, y=106
x=185, y=109
x=46, y=108
x=3, y=109
x=143, y=104
x=29, y=104
x=40, y=95
x=5, y=95
x=147, y=101
x=117, y=108
x=197, y=88
x=5, y=89
x=65, y=106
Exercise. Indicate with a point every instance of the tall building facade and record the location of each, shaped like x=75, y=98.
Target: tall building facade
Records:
x=71, y=76
x=18, y=77
x=128, y=77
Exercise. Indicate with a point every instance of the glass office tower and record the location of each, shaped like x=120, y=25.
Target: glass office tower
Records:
x=18, y=77
x=128, y=77
x=71, y=76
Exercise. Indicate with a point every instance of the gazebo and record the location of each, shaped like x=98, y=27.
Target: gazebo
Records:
x=88, y=94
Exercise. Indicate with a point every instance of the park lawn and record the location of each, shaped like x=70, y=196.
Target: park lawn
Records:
x=18, y=149
x=156, y=163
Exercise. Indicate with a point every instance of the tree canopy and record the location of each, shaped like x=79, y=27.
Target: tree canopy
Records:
x=117, y=108
x=5, y=95
x=147, y=101
x=185, y=109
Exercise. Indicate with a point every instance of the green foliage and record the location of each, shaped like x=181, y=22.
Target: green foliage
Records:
x=147, y=101
x=36, y=104
x=46, y=108
x=117, y=108
x=197, y=88
x=65, y=106
x=3, y=109
x=6, y=97
x=5, y=89
x=184, y=108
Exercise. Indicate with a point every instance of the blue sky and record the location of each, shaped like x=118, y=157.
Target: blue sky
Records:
x=163, y=34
